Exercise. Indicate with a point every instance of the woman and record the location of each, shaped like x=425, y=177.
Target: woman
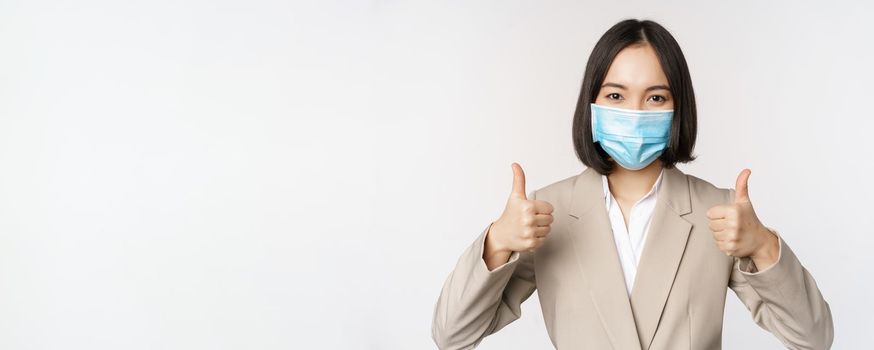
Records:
x=631, y=253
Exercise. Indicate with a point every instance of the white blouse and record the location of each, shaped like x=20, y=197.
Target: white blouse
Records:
x=629, y=241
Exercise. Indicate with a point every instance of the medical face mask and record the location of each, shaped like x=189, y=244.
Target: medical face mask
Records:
x=633, y=138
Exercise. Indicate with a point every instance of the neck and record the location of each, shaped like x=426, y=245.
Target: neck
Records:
x=633, y=184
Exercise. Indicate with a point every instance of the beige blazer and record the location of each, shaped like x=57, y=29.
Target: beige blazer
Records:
x=678, y=297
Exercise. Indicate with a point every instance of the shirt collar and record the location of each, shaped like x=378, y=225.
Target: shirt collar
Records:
x=652, y=191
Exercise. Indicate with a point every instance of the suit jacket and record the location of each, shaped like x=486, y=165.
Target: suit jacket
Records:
x=678, y=296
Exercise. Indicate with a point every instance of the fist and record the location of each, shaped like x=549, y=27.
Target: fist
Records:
x=736, y=228
x=524, y=224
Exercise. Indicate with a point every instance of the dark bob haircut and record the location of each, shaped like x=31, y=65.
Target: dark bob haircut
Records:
x=684, y=126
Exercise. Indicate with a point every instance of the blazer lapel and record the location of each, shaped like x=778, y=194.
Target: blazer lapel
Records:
x=592, y=239
x=662, y=252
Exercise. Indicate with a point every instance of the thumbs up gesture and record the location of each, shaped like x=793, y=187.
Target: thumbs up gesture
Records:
x=738, y=231
x=525, y=223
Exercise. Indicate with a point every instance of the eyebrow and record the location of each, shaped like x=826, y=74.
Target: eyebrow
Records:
x=654, y=87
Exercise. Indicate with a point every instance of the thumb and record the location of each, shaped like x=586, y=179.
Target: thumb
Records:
x=742, y=193
x=518, y=182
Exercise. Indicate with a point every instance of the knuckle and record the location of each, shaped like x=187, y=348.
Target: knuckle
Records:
x=532, y=243
x=527, y=207
x=527, y=220
x=528, y=232
x=734, y=210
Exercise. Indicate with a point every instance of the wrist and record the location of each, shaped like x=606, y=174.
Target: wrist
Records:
x=493, y=255
x=767, y=253
x=492, y=245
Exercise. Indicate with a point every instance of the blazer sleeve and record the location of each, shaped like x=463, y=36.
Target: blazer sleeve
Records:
x=476, y=302
x=784, y=300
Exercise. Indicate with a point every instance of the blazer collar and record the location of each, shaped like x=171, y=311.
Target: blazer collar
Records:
x=631, y=323
x=674, y=191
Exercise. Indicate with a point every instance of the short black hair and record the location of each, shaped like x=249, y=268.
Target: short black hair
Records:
x=684, y=126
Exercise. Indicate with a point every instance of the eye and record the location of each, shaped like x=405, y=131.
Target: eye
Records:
x=658, y=98
x=614, y=96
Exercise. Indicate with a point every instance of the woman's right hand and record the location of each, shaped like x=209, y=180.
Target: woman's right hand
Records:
x=523, y=226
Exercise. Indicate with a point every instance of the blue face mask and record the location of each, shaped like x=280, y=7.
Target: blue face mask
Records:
x=633, y=138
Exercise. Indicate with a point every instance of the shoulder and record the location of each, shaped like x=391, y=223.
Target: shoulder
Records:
x=703, y=191
x=558, y=192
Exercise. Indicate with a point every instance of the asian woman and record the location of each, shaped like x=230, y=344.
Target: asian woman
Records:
x=631, y=253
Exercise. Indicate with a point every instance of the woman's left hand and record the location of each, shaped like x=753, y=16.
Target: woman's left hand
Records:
x=738, y=231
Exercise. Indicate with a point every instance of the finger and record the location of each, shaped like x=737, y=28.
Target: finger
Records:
x=725, y=235
x=536, y=243
x=722, y=235
x=728, y=245
x=518, y=182
x=542, y=207
x=742, y=194
x=543, y=219
x=717, y=224
x=717, y=212
x=541, y=231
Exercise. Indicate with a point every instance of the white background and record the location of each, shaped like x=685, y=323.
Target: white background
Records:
x=273, y=175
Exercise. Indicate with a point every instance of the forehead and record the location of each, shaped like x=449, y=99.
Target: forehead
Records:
x=636, y=66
